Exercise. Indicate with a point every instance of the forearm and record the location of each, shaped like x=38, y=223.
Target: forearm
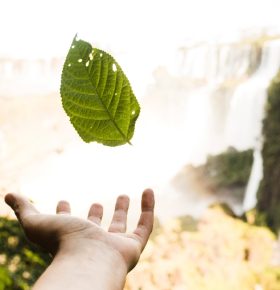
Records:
x=99, y=270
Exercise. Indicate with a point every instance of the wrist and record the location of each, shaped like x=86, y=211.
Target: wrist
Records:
x=92, y=265
x=91, y=255
x=91, y=251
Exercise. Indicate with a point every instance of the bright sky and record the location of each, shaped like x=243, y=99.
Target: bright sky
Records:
x=142, y=28
x=34, y=27
x=140, y=34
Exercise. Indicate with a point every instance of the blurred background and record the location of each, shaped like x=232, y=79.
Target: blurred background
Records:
x=207, y=139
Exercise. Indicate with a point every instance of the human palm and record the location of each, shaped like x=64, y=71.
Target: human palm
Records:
x=62, y=230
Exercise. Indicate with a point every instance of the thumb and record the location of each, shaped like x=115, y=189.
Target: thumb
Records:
x=20, y=205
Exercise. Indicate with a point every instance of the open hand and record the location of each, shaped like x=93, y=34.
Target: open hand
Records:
x=72, y=235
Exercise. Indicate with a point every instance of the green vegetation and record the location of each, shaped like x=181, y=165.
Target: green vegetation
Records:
x=224, y=174
x=97, y=96
x=229, y=169
x=268, y=204
x=21, y=262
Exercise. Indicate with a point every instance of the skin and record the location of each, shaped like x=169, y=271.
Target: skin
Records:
x=85, y=255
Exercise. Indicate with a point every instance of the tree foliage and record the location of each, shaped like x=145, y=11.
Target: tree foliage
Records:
x=21, y=262
x=269, y=191
x=230, y=168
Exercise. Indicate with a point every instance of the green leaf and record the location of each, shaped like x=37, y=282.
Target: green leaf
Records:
x=97, y=96
x=5, y=278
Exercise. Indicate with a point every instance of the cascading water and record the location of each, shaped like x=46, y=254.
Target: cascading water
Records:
x=224, y=99
x=246, y=111
x=246, y=114
x=31, y=76
x=214, y=72
x=256, y=175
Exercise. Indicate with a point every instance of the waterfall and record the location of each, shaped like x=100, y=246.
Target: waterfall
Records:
x=217, y=96
x=21, y=77
x=256, y=175
x=246, y=112
x=217, y=73
x=244, y=128
x=221, y=94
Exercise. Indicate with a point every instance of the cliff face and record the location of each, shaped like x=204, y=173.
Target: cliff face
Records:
x=269, y=192
x=222, y=179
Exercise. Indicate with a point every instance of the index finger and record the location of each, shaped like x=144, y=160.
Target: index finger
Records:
x=146, y=221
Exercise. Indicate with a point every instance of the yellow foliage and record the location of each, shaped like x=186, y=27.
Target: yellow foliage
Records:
x=225, y=253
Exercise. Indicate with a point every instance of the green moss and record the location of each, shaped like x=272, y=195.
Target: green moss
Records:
x=229, y=169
